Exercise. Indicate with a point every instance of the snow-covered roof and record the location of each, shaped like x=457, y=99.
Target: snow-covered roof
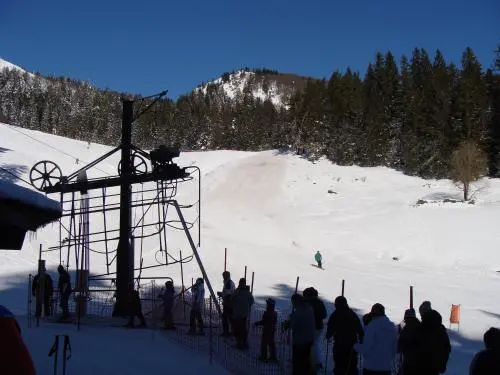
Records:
x=11, y=191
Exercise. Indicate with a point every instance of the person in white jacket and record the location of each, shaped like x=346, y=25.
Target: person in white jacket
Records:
x=379, y=344
x=197, y=303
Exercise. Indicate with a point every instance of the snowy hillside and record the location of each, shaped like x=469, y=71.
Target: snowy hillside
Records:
x=272, y=211
x=235, y=84
x=8, y=65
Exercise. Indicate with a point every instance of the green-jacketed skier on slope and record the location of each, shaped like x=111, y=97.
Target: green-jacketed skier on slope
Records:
x=318, y=259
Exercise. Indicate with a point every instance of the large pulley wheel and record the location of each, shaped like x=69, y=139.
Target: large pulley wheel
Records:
x=139, y=165
x=44, y=174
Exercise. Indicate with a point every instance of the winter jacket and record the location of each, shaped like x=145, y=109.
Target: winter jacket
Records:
x=198, y=296
x=302, y=325
x=48, y=288
x=345, y=328
x=433, y=344
x=486, y=362
x=268, y=322
x=408, y=345
x=319, y=311
x=15, y=358
x=379, y=344
x=317, y=257
x=241, y=302
x=168, y=298
x=228, y=289
x=64, y=283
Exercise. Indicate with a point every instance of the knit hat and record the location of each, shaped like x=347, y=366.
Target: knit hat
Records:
x=341, y=302
x=242, y=282
x=425, y=307
x=271, y=302
x=378, y=310
x=410, y=313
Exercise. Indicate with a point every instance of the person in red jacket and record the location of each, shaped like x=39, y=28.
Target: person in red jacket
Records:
x=268, y=323
x=15, y=358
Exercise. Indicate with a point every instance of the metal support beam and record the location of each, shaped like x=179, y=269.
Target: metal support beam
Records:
x=124, y=253
x=198, y=259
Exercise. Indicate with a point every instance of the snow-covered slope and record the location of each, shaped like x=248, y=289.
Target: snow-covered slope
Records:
x=4, y=64
x=272, y=211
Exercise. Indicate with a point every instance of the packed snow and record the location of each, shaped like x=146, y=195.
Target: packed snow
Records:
x=273, y=210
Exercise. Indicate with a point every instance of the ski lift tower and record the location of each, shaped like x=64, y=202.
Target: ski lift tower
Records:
x=44, y=173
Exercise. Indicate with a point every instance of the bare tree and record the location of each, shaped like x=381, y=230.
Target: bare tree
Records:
x=468, y=164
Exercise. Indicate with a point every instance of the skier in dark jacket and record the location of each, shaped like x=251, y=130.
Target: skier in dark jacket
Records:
x=319, y=309
x=227, y=291
x=135, y=309
x=241, y=302
x=433, y=344
x=43, y=295
x=301, y=323
x=64, y=287
x=487, y=362
x=408, y=342
x=268, y=323
x=168, y=304
x=346, y=329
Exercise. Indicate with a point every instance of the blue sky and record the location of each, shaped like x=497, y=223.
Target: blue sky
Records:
x=147, y=46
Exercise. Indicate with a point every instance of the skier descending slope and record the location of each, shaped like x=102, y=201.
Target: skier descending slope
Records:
x=318, y=258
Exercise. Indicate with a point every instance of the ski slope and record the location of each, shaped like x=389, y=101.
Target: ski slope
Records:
x=272, y=212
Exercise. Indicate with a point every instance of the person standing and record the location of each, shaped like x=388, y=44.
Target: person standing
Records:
x=135, y=310
x=64, y=287
x=433, y=344
x=168, y=304
x=227, y=291
x=301, y=323
x=241, y=302
x=268, y=323
x=319, y=309
x=487, y=361
x=319, y=259
x=346, y=329
x=42, y=289
x=197, y=303
x=379, y=343
x=408, y=343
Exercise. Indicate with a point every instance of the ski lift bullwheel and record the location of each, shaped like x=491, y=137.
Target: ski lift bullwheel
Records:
x=45, y=173
x=139, y=165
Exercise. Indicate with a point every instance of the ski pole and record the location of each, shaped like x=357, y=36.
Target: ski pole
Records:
x=54, y=350
x=66, y=355
x=326, y=355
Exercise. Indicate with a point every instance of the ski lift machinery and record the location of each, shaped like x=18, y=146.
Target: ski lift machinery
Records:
x=132, y=170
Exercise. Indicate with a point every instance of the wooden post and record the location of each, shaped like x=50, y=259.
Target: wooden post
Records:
x=343, y=287
x=225, y=259
x=411, y=297
x=251, y=288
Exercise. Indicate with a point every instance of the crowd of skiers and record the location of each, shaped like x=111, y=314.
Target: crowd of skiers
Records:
x=421, y=345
